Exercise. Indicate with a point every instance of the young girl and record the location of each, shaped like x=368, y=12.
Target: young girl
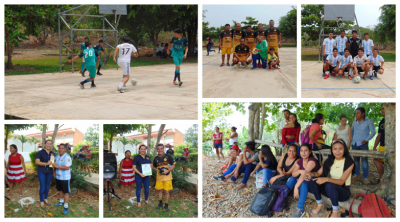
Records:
x=291, y=132
x=286, y=165
x=126, y=175
x=334, y=178
x=268, y=164
x=296, y=182
x=16, y=169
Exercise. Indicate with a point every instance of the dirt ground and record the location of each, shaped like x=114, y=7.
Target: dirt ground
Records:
x=230, y=82
x=224, y=201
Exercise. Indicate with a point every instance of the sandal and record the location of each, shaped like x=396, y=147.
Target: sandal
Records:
x=147, y=202
x=47, y=202
x=139, y=205
x=336, y=212
x=41, y=205
x=315, y=212
x=222, y=64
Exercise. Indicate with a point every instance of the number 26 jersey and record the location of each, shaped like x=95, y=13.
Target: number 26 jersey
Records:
x=125, y=51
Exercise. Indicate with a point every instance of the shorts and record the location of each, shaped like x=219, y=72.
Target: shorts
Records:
x=359, y=69
x=164, y=185
x=126, y=68
x=217, y=145
x=276, y=48
x=381, y=148
x=346, y=69
x=376, y=68
x=270, y=62
x=177, y=61
x=240, y=57
x=63, y=185
x=226, y=51
x=92, y=71
x=331, y=68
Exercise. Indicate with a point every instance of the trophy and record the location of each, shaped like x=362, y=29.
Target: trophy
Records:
x=52, y=160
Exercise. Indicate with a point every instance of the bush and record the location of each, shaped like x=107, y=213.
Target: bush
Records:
x=194, y=157
x=32, y=155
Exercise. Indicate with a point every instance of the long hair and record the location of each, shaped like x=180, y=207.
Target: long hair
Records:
x=309, y=149
x=295, y=148
x=331, y=158
x=296, y=123
x=266, y=151
x=126, y=152
x=317, y=118
x=14, y=146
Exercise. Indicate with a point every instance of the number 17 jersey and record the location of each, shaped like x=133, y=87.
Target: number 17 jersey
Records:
x=125, y=50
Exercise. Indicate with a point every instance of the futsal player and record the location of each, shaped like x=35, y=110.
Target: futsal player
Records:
x=179, y=52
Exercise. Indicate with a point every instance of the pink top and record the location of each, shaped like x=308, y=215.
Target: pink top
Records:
x=218, y=135
x=290, y=131
x=317, y=127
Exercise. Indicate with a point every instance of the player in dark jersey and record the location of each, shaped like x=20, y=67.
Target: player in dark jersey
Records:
x=249, y=39
x=241, y=54
x=83, y=69
x=225, y=44
x=99, y=48
x=354, y=44
x=274, y=38
x=164, y=164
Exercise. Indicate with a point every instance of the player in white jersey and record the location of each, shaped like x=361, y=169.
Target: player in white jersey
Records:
x=124, y=60
x=375, y=59
x=332, y=64
x=340, y=43
x=368, y=45
x=327, y=48
x=346, y=64
x=62, y=164
x=362, y=63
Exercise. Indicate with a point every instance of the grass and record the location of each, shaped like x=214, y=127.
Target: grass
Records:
x=389, y=56
x=51, y=65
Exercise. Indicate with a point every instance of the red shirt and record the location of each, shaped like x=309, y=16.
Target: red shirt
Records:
x=218, y=135
x=290, y=132
x=186, y=153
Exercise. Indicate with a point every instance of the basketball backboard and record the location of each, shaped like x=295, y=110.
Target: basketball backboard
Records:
x=333, y=12
x=113, y=9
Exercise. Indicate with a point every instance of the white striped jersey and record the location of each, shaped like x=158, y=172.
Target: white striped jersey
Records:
x=125, y=50
x=340, y=43
x=376, y=60
x=64, y=160
x=367, y=46
x=343, y=60
x=334, y=60
x=329, y=44
x=359, y=61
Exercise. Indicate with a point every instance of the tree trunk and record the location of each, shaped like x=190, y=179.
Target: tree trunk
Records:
x=6, y=138
x=388, y=182
x=149, y=140
x=257, y=122
x=252, y=115
x=160, y=133
x=9, y=51
x=262, y=122
x=53, y=138
x=44, y=134
x=111, y=139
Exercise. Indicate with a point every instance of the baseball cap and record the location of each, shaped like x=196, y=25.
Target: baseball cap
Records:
x=234, y=147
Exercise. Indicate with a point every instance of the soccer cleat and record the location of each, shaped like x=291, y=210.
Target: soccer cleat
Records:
x=218, y=177
x=166, y=207
x=269, y=67
x=224, y=166
x=93, y=85
x=371, y=78
x=83, y=74
x=326, y=76
x=81, y=85
x=120, y=90
x=59, y=204
x=180, y=83
x=279, y=66
x=259, y=65
x=228, y=64
x=159, y=205
x=99, y=74
x=65, y=211
x=275, y=67
x=333, y=74
x=134, y=82
x=174, y=82
x=375, y=73
x=350, y=77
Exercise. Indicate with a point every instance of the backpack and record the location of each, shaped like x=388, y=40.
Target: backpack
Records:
x=281, y=202
x=305, y=136
x=263, y=201
x=371, y=206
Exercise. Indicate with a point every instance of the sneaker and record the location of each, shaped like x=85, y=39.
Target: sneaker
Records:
x=180, y=83
x=252, y=68
x=120, y=90
x=375, y=73
x=245, y=64
x=371, y=78
x=99, y=74
x=366, y=181
x=166, y=207
x=222, y=64
x=350, y=77
x=333, y=74
x=279, y=66
x=275, y=67
x=299, y=213
x=59, y=204
x=93, y=85
x=83, y=74
x=269, y=67
x=81, y=85
x=326, y=76
x=363, y=77
x=259, y=65
x=343, y=76
x=238, y=65
x=228, y=64
x=218, y=178
x=65, y=211
x=134, y=82
x=175, y=83
x=159, y=205
x=224, y=166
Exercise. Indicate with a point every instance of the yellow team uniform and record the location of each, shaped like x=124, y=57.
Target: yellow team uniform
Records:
x=242, y=52
x=249, y=40
x=226, y=38
x=236, y=36
x=262, y=34
x=163, y=182
x=273, y=38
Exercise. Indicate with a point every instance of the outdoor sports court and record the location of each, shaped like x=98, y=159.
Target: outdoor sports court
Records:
x=230, y=82
x=58, y=96
x=313, y=85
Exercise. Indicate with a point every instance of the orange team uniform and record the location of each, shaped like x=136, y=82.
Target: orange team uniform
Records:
x=242, y=52
x=263, y=34
x=236, y=36
x=226, y=39
x=249, y=40
x=272, y=38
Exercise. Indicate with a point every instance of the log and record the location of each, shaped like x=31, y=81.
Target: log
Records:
x=276, y=145
x=345, y=205
x=360, y=153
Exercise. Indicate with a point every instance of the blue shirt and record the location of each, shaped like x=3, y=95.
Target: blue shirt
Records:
x=64, y=160
x=139, y=160
x=362, y=131
x=178, y=47
x=329, y=43
x=340, y=43
x=44, y=157
x=367, y=45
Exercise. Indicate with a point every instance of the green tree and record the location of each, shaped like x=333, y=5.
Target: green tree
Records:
x=191, y=135
x=23, y=139
x=386, y=29
x=288, y=24
x=92, y=134
x=34, y=141
x=124, y=141
x=134, y=142
x=11, y=128
x=112, y=130
x=250, y=21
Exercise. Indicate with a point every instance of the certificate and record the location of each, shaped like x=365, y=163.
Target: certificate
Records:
x=146, y=169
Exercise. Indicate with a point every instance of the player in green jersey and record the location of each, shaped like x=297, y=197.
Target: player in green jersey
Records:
x=90, y=61
x=179, y=52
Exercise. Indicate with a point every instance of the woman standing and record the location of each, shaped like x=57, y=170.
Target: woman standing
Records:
x=217, y=142
x=268, y=164
x=315, y=131
x=291, y=132
x=233, y=137
x=126, y=175
x=210, y=44
x=334, y=178
x=16, y=169
x=44, y=158
x=186, y=153
x=138, y=161
x=343, y=131
x=285, y=166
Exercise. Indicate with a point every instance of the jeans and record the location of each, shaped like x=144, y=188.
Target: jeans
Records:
x=334, y=192
x=209, y=49
x=267, y=175
x=44, y=181
x=255, y=58
x=303, y=191
x=230, y=170
x=364, y=161
x=146, y=184
x=246, y=169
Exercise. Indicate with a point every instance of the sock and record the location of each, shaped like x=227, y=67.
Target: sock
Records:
x=84, y=70
x=178, y=75
x=98, y=69
x=121, y=85
x=326, y=72
x=166, y=203
x=83, y=66
x=92, y=84
x=85, y=81
x=66, y=205
x=370, y=71
x=61, y=200
x=350, y=71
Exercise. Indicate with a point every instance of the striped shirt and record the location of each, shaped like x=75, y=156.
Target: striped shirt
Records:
x=334, y=60
x=376, y=60
x=340, y=43
x=329, y=44
x=343, y=60
x=367, y=45
x=64, y=160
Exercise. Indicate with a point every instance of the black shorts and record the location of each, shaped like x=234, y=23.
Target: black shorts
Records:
x=331, y=68
x=63, y=185
x=270, y=62
x=376, y=68
x=359, y=69
x=346, y=69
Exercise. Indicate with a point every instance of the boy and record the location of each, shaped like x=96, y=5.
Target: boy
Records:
x=89, y=55
x=273, y=60
x=353, y=43
x=99, y=48
x=331, y=64
x=179, y=52
x=362, y=63
x=346, y=64
x=262, y=52
x=340, y=43
x=327, y=49
x=83, y=47
x=124, y=60
x=374, y=63
x=368, y=45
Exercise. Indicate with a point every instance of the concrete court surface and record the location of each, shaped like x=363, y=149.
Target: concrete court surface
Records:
x=230, y=82
x=58, y=95
x=313, y=85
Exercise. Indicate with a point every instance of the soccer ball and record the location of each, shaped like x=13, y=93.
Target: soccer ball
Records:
x=357, y=79
x=134, y=81
x=254, y=51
